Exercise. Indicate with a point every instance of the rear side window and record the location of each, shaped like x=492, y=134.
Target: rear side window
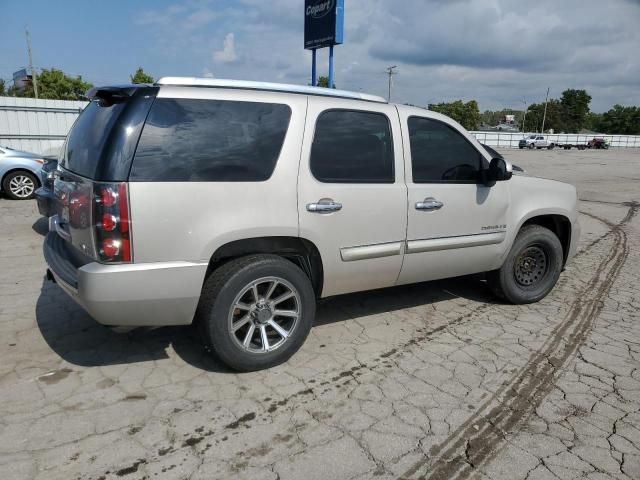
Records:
x=352, y=147
x=440, y=154
x=210, y=141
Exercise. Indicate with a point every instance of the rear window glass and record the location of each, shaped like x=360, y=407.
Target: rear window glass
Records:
x=88, y=138
x=210, y=141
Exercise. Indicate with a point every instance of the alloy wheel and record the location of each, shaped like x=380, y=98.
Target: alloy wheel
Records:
x=264, y=314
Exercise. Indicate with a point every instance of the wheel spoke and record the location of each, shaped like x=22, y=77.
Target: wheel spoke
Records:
x=254, y=290
x=265, y=340
x=242, y=306
x=285, y=313
x=281, y=331
x=283, y=297
x=241, y=323
x=249, y=336
x=272, y=288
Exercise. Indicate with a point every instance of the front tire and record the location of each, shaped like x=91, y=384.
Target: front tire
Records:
x=532, y=267
x=532, y=146
x=20, y=185
x=255, y=312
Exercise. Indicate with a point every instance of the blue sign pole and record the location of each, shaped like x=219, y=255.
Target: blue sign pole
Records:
x=314, y=81
x=330, y=66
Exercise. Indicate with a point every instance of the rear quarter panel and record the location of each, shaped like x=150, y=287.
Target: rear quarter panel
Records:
x=173, y=221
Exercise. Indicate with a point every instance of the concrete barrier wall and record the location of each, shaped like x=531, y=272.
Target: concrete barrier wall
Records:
x=510, y=140
x=38, y=126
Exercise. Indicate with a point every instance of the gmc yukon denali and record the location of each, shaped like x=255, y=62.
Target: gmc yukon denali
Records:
x=235, y=205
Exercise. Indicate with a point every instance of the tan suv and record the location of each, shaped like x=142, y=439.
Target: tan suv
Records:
x=237, y=204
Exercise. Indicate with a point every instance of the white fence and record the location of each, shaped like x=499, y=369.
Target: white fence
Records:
x=38, y=126
x=510, y=139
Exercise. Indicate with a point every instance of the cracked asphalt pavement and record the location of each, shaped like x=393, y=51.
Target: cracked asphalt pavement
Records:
x=436, y=381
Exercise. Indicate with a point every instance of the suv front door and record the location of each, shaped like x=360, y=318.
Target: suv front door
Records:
x=352, y=198
x=456, y=225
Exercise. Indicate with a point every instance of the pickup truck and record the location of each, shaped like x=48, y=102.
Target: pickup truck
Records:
x=535, y=141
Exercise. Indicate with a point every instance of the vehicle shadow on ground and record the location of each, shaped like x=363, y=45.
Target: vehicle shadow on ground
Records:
x=80, y=340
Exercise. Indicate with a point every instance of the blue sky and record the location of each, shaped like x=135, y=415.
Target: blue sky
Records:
x=500, y=52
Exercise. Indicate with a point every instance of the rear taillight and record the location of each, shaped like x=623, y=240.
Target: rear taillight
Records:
x=113, y=232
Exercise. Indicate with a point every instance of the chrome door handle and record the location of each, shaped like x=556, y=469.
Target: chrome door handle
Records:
x=324, y=205
x=429, y=203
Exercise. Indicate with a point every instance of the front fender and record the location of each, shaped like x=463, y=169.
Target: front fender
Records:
x=534, y=197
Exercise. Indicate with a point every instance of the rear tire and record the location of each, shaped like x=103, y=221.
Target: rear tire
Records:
x=248, y=333
x=20, y=185
x=531, y=268
x=532, y=146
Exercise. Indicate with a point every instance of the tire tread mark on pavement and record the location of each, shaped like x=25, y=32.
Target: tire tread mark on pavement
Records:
x=481, y=435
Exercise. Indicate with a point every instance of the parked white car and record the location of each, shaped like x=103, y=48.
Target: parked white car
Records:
x=236, y=205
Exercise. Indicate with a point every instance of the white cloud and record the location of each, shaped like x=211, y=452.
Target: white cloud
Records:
x=228, y=52
x=206, y=73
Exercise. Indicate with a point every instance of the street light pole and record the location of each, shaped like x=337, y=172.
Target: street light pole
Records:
x=34, y=75
x=391, y=72
x=544, y=115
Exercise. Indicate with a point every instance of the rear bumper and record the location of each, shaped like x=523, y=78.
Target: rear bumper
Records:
x=149, y=294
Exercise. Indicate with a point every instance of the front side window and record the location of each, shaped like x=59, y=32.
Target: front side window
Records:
x=210, y=141
x=352, y=147
x=440, y=154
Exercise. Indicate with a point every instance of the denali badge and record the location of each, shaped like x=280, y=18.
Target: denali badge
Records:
x=493, y=227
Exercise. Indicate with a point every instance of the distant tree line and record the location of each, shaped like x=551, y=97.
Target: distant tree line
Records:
x=55, y=84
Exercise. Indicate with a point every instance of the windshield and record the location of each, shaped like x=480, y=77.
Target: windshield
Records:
x=532, y=137
x=88, y=138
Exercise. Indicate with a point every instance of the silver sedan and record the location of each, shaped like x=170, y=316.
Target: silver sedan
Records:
x=19, y=173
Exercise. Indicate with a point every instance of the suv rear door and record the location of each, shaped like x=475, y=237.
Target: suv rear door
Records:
x=352, y=197
x=456, y=225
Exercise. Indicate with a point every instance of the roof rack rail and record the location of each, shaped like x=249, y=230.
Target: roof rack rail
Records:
x=273, y=87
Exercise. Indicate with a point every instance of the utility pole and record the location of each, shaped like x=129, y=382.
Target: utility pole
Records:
x=34, y=75
x=391, y=72
x=524, y=120
x=544, y=115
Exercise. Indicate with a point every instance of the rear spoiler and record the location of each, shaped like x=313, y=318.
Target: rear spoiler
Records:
x=107, y=96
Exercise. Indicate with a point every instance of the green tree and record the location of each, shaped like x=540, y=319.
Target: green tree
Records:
x=466, y=114
x=141, y=77
x=324, y=82
x=621, y=120
x=54, y=84
x=575, y=107
x=592, y=121
x=3, y=90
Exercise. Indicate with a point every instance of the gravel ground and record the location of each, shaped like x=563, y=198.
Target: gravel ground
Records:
x=437, y=380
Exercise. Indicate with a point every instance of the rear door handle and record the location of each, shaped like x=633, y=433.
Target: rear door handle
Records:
x=429, y=203
x=325, y=205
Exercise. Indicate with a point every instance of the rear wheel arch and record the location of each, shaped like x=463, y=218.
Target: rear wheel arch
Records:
x=560, y=225
x=299, y=251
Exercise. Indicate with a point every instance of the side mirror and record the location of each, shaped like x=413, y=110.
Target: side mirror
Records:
x=499, y=171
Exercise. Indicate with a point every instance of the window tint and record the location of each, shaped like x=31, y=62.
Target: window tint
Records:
x=352, y=147
x=210, y=141
x=440, y=154
x=89, y=138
